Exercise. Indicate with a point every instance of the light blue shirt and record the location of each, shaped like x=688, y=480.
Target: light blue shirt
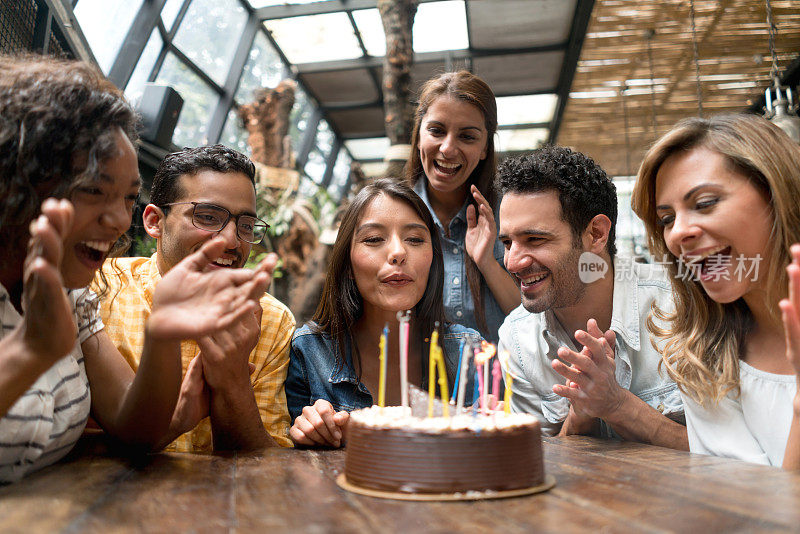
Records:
x=458, y=305
x=533, y=339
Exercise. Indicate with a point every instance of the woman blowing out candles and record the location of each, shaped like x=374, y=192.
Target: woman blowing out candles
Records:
x=452, y=167
x=68, y=181
x=386, y=259
x=720, y=199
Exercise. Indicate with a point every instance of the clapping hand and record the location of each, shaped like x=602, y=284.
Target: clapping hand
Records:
x=190, y=303
x=591, y=386
x=790, y=311
x=48, y=326
x=481, y=230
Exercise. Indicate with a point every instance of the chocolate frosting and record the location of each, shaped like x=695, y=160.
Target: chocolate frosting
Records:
x=415, y=461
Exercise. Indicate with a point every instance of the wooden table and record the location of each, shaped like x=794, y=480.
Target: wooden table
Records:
x=601, y=485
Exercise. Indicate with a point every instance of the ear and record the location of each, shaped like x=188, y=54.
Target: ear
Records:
x=595, y=237
x=153, y=220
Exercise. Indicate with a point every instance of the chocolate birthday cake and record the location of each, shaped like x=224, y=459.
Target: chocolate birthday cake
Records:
x=390, y=450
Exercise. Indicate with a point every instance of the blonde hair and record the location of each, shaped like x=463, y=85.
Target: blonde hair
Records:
x=702, y=339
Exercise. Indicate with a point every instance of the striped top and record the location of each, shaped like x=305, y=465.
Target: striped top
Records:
x=46, y=421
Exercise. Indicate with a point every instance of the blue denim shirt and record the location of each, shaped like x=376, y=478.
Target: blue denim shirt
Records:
x=313, y=375
x=458, y=305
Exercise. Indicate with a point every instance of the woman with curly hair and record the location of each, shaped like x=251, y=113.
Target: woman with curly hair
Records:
x=68, y=181
x=719, y=198
x=452, y=167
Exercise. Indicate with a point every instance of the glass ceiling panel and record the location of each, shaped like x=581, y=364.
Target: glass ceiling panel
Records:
x=264, y=68
x=525, y=109
x=374, y=148
x=264, y=3
x=440, y=26
x=521, y=139
x=370, y=27
x=209, y=34
x=135, y=87
x=105, y=25
x=198, y=101
x=233, y=135
x=170, y=12
x=315, y=38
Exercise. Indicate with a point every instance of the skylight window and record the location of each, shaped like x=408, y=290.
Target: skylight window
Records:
x=315, y=38
x=521, y=139
x=373, y=148
x=370, y=27
x=525, y=109
x=440, y=26
x=264, y=3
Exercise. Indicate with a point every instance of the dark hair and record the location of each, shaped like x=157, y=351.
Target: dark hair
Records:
x=57, y=124
x=462, y=85
x=166, y=187
x=584, y=189
x=342, y=306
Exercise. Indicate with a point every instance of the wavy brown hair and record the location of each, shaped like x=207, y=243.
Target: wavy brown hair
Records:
x=702, y=339
x=465, y=86
x=57, y=123
x=342, y=306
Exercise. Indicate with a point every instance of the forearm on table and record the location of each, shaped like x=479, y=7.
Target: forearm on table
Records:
x=146, y=410
x=791, y=458
x=19, y=369
x=502, y=286
x=635, y=420
x=236, y=422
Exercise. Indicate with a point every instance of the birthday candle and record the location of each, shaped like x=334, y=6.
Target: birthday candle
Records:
x=442, y=381
x=481, y=384
x=382, y=378
x=463, y=364
x=404, y=332
x=507, y=396
x=496, y=380
x=432, y=369
x=458, y=371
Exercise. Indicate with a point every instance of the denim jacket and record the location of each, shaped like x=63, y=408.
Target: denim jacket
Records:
x=313, y=374
x=458, y=305
x=532, y=340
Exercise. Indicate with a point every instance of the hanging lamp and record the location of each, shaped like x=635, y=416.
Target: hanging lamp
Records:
x=781, y=108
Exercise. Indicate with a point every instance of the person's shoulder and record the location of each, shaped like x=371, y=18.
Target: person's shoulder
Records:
x=273, y=306
x=651, y=274
x=517, y=317
x=309, y=329
x=124, y=264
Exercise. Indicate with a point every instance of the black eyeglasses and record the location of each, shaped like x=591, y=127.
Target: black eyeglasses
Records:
x=213, y=218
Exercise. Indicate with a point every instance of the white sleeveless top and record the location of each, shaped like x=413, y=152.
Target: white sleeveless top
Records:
x=754, y=427
x=46, y=421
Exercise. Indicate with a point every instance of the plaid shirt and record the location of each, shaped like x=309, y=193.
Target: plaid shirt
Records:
x=125, y=307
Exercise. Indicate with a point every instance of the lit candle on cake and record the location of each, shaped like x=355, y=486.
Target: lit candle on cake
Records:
x=432, y=369
x=382, y=377
x=461, y=379
x=458, y=372
x=509, y=378
x=404, y=319
x=486, y=353
x=496, y=381
x=442, y=380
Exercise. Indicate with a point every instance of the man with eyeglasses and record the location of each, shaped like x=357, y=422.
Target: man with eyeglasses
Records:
x=235, y=378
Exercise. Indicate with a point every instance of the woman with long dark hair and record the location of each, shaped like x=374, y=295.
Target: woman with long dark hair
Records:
x=452, y=167
x=386, y=259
